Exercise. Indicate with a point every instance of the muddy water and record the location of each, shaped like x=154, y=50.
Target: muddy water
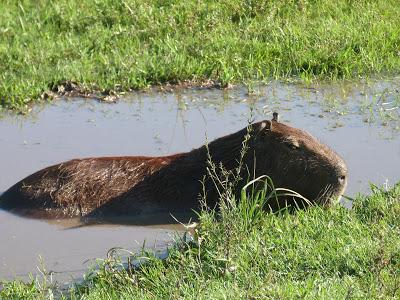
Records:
x=360, y=121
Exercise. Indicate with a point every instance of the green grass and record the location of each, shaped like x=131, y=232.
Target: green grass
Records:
x=248, y=254
x=120, y=45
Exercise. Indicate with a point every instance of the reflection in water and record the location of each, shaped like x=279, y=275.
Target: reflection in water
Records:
x=360, y=121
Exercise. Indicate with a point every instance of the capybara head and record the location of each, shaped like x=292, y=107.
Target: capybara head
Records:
x=297, y=161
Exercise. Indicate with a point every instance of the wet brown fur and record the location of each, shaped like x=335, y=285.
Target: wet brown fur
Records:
x=137, y=185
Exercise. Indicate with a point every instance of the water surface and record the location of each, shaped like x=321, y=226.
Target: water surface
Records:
x=360, y=121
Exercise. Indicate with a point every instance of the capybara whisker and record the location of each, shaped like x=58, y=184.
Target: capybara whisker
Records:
x=138, y=185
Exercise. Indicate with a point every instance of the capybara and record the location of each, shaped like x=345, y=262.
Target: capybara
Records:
x=136, y=185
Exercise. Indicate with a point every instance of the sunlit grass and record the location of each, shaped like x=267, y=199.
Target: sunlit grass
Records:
x=119, y=45
x=244, y=252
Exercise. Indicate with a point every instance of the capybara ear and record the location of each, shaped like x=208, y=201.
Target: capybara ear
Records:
x=265, y=126
x=275, y=117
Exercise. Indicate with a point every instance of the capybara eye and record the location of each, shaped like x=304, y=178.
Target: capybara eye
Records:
x=294, y=145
